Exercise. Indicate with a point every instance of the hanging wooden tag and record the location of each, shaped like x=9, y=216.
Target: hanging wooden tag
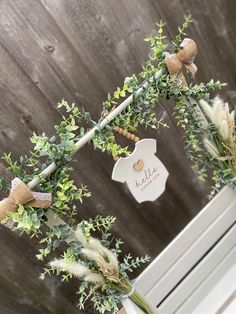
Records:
x=144, y=174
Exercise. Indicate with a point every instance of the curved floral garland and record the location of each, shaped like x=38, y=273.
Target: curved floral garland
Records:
x=210, y=142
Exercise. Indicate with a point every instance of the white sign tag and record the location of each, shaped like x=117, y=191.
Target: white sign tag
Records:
x=143, y=172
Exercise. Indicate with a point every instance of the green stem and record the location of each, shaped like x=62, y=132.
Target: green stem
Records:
x=125, y=287
x=141, y=303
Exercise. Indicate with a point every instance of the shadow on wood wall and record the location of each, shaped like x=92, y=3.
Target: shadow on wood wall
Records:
x=80, y=50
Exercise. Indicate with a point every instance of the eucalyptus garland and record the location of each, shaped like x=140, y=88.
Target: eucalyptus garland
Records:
x=96, y=263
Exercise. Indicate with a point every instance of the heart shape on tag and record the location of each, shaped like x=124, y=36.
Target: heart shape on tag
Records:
x=138, y=166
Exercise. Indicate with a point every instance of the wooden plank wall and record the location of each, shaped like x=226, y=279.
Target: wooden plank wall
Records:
x=80, y=50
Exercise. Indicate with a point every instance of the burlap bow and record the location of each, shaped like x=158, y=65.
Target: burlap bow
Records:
x=184, y=57
x=20, y=194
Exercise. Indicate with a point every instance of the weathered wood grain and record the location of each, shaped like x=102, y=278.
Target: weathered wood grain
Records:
x=81, y=50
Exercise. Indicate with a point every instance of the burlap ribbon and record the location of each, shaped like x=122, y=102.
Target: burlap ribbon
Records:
x=20, y=194
x=183, y=58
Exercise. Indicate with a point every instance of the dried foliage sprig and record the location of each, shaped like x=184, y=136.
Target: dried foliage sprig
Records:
x=103, y=279
x=220, y=141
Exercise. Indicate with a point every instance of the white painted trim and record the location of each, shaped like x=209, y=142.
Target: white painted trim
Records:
x=203, y=278
x=185, y=240
x=220, y=292
x=184, y=252
x=192, y=255
x=130, y=307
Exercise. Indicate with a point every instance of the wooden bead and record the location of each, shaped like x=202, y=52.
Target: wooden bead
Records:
x=125, y=132
x=128, y=135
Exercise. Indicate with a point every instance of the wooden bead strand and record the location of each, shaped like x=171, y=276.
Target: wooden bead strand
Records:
x=126, y=134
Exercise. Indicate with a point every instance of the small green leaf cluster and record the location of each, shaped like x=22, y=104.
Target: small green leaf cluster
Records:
x=28, y=220
x=58, y=149
x=221, y=170
x=141, y=111
x=66, y=194
x=187, y=118
x=105, y=300
x=99, y=223
x=106, y=142
x=130, y=264
x=53, y=239
x=181, y=32
x=58, y=234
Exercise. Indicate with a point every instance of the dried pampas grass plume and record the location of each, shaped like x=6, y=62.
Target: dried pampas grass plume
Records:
x=220, y=116
x=77, y=270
